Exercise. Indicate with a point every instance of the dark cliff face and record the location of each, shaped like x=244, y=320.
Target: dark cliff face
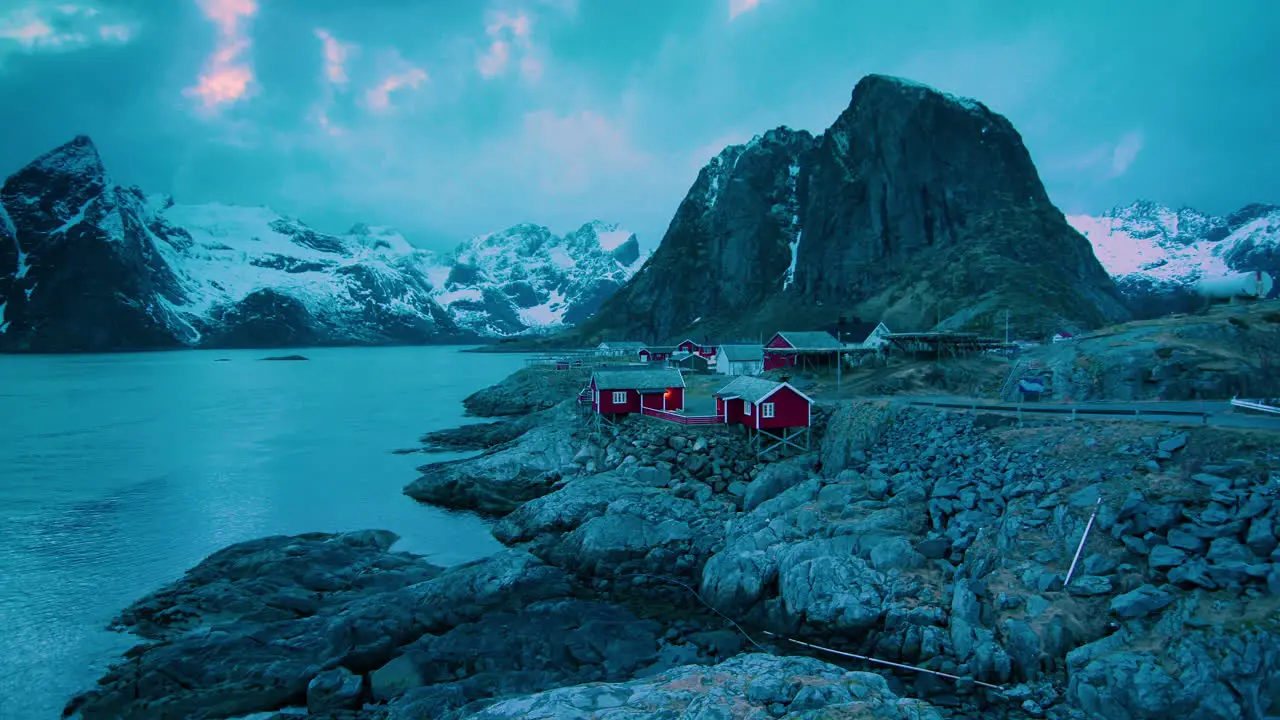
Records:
x=921, y=207
x=915, y=207
x=726, y=250
x=66, y=285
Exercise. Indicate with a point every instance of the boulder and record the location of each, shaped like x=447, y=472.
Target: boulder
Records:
x=1140, y=602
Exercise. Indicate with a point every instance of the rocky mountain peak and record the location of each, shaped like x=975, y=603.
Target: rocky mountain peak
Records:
x=56, y=187
x=916, y=207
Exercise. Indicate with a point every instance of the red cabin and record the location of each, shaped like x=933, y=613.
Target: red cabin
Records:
x=788, y=347
x=688, y=346
x=655, y=354
x=621, y=390
x=763, y=404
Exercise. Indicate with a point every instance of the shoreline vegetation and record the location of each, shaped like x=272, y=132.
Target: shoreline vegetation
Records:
x=657, y=570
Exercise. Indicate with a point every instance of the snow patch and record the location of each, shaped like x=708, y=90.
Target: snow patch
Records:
x=4, y=325
x=75, y=219
x=7, y=223
x=465, y=293
x=549, y=313
x=611, y=240
x=30, y=290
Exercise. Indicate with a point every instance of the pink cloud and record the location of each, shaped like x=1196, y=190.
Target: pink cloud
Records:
x=738, y=7
x=336, y=54
x=227, y=76
x=30, y=33
x=59, y=27
x=116, y=33
x=379, y=97
x=495, y=59
x=506, y=32
x=571, y=152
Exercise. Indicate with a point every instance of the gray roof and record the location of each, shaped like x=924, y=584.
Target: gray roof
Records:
x=743, y=353
x=647, y=379
x=751, y=389
x=811, y=340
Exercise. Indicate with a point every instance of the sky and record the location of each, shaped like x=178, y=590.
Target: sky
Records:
x=451, y=118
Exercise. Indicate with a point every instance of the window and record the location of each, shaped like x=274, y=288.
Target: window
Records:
x=619, y=397
x=746, y=408
x=766, y=410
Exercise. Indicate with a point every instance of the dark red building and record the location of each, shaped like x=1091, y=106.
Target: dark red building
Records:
x=788, y=347
x=620, y=391
x=655, y=354
x=763, y=404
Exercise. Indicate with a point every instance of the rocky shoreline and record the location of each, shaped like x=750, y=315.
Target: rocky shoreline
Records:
x=648, y=563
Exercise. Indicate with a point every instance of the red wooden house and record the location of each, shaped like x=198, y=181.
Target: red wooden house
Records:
x=620, y=391
x=788, y=347
x=775, y=413
x=655, y=354
x=695, y=348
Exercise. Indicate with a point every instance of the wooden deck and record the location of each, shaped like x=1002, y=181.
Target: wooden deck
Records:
x=681, y=418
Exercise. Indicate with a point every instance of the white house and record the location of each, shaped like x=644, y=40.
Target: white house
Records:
x=865, y=334
x=618, y=348
x=740, y=359
x=1063, y=337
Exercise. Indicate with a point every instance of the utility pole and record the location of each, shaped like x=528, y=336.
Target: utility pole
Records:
x=840, y=351
x=1006, y=326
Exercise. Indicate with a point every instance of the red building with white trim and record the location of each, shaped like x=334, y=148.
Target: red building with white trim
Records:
x=763, y=404
x=621, y=391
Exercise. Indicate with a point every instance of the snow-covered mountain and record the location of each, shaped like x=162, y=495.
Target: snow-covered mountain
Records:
x=526, y=279
x=1156, y=253
x=89, y=265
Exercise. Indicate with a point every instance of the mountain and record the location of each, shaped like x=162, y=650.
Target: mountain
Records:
x=525, y=279
x=1156, y=254
x=89, y=265
x=915, y=207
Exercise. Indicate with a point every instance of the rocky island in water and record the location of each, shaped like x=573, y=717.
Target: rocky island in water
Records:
x=657, y=570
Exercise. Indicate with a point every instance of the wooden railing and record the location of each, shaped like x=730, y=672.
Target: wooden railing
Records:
x=682, y=419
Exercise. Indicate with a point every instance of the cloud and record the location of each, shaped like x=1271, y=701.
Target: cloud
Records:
x=568, y=154
x=379, y=97
x=227, y=76
x=336, y=54
x=508, y=32
x=53, y=26
x=738, y=7
x=1125, y=152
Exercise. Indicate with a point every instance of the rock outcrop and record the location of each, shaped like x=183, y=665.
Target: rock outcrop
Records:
x=915, y=207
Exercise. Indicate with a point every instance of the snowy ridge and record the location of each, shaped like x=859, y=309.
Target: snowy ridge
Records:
x=1149, y=245
x=222, y=275
x=527, y=278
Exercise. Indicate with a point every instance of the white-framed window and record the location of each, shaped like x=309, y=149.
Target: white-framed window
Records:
x=746, y=408
x=619, y=397
x=766, y=410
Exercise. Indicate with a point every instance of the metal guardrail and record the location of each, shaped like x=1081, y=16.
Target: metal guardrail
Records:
x=682, y=419
x=1255, y=405
x=1072, y=411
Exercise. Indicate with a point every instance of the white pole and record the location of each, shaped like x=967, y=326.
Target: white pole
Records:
x=1080, y=548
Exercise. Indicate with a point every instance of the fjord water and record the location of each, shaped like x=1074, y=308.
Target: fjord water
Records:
x=120, y=472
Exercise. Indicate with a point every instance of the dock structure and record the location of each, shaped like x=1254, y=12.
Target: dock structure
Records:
x=944, y=344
